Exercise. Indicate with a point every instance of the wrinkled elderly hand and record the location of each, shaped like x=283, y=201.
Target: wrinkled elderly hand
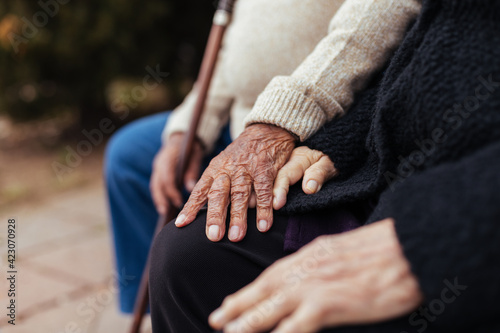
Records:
x=250, y=163
x=357, y=277
x=312, y=166
x=163, y=185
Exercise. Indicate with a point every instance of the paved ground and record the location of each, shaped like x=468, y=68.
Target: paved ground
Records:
x=65, y=280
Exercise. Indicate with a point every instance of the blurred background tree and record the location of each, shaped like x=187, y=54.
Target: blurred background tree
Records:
x=73, y=59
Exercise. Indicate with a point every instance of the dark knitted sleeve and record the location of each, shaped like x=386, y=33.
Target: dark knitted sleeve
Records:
x=344, y=139
x=448, y=222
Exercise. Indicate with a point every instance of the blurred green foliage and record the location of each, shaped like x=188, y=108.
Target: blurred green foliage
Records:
x=62, y=55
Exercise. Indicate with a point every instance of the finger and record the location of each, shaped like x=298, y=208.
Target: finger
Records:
x=162, y=189
x=264, y=316
x=234, y=305
x=159, y=199
x=318, y=174
x=218, y=201
x=264, y=192
x=196, y=201
x=252, y=203
x=241, y=189
x=193, y=170
x=171, y=192
x=307, y=318
x=288, y=175
x=161, y=184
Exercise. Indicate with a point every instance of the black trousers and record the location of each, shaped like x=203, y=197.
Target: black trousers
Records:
x=190, y=275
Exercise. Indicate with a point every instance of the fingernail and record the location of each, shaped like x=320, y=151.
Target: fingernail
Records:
x=262, y=225
x=213, y=232
x=312, y=186
x=180, y=219
x=234, y=232
x=217, y=317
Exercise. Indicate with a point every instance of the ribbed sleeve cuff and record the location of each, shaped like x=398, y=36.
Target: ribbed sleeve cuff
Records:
x=288, y=109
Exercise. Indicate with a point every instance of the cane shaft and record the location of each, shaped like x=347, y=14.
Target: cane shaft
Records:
x=142, y=300
x=221, y=20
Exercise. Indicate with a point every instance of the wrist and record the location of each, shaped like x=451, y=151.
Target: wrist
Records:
x=272, y=130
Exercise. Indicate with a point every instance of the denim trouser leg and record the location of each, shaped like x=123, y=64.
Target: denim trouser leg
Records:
x=128, y=167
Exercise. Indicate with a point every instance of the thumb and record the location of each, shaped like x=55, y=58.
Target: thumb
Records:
x=287, y=176
x=318, y=174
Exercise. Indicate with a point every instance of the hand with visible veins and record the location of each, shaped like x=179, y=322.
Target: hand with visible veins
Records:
x=163, y=185
x=249, y=164
x=357, y=277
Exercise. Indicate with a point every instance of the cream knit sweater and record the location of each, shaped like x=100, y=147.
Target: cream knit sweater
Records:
x=313, y=55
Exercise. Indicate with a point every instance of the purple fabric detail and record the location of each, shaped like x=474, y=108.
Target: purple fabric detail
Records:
x=302, y=229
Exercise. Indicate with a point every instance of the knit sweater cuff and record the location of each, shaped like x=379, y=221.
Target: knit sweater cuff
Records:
x=344, y=140
x=290, y=110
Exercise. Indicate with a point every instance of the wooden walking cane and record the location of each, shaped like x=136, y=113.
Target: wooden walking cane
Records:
x=221, y=20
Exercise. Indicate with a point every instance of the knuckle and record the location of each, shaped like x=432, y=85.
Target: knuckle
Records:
x=264, y=198
x=237, y=216
x=264, y=210
x=239, y=194
x=196, y=196
x=213, y=194
x=229, y=301
x=297, y=153
x=222, y=181
x=241, y=178
x=265, y=286
x=203, y=186
x=214, y=216
x=317, y=155
x=321, y=241
x=316, y=171
x=217, y=196
x=264, y=165
x=301, y=149
x=263, y=185
x=286, y=174
x=311, y=157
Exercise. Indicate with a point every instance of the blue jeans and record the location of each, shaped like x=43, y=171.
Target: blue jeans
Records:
x=128, y=166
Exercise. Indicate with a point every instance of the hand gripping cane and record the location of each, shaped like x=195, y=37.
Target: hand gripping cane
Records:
x=220, y=22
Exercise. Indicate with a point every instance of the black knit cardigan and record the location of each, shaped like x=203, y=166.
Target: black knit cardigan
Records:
x=425, y=141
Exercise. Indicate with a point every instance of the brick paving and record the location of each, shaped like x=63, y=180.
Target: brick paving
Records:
x=65, y=280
